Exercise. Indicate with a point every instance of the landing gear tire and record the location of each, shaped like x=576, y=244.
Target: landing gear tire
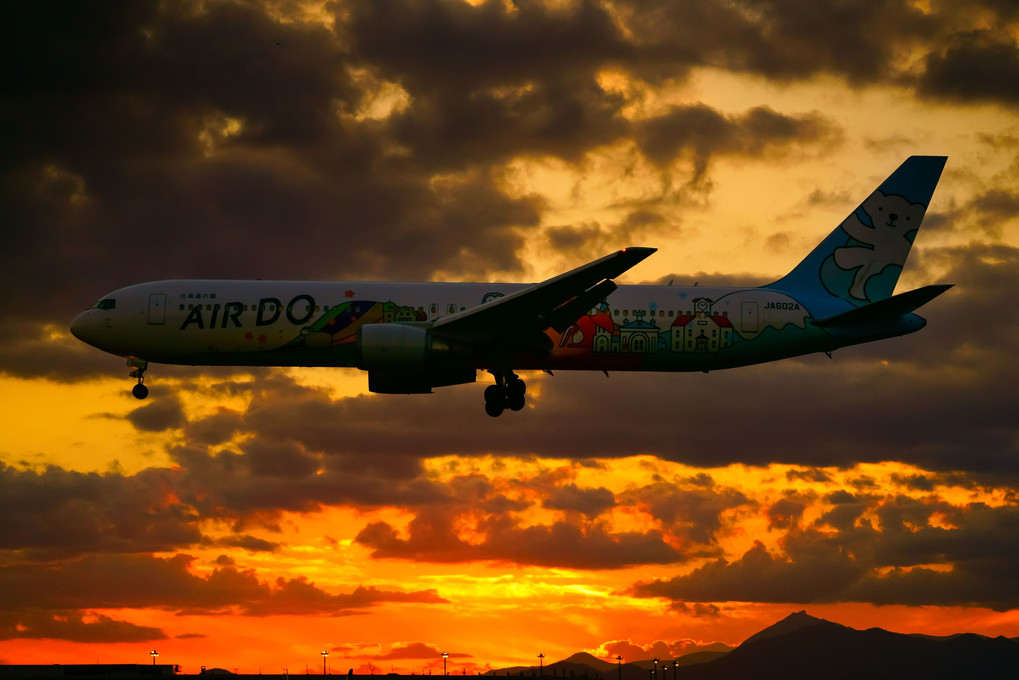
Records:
x=138, y=367
x=515, y=403
x=494, y=409
x=507, y=393
x=515, y=387
x=515, y=390
x=495, y=400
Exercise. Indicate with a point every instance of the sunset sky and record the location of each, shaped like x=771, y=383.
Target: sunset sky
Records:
x=251, y=519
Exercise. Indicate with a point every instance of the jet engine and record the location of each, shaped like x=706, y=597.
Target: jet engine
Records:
x=394, y=346
x=403, y=359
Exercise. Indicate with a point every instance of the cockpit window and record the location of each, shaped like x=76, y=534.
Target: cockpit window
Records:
x=108, y=303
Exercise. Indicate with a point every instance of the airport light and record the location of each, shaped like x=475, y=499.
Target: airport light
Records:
x=655, y=675
x=444, y=657
x=675, y=667
x=154, y=654
x=541, y=665
x=619, y=663
x=325, y=655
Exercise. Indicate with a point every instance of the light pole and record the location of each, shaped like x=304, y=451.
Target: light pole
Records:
x=325, y=655
x=675, y=666
x=444, y=656
x=619, y=663
x=154, y=654
x=541, y=665
x=655, y=676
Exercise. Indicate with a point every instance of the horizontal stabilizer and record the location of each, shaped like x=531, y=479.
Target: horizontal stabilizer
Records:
x=892, y=308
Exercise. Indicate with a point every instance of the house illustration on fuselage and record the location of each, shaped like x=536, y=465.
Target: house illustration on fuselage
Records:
x=701, y=331
x=639, y=336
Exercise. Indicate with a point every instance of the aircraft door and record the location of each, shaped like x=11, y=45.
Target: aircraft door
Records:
x=750, y=318
x=157, y=308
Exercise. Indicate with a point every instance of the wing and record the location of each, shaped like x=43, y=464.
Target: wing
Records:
x=555, y=303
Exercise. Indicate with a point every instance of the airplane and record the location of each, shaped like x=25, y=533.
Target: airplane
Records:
x=413, y=337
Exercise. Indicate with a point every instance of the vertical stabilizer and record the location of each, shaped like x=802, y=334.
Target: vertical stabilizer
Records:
x=861, y=260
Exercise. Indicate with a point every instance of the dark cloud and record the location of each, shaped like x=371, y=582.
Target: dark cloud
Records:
x=785, y=513
x=886, y=564
x=590, y=502
x=138, y=581
x=249, y=543
x=158, y=416
x=452, y=46
x=702, y=132
x=976, y=66
x=757, y=576
x=60, y=512
x=216, y=429
x=33, y=351
x=433, y=537
x=692, y=510
x=73, y=626
x=451, y=130
x=784, y=40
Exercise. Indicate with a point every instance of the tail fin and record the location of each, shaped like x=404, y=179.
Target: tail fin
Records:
x=861, y=260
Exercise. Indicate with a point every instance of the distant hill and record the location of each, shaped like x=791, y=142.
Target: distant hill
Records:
x=584, y=665
x=585, y=659
x=789, y=624
x=802, y=647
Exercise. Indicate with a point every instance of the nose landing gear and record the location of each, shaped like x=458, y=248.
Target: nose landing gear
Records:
x=507, y=393
x=138, y=367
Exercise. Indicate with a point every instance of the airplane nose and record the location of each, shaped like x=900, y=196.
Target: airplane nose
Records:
x=84, y=327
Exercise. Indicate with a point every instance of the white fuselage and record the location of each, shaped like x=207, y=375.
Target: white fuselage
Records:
x=301, y=323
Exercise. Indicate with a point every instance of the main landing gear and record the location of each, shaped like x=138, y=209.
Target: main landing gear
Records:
x=138, y=367
x=507, y=393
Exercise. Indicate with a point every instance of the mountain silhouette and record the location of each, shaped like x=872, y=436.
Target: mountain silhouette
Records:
x=802, y=647
x=789, y=624
x=585, y=659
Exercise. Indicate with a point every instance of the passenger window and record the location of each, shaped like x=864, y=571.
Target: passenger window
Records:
x=451, y=309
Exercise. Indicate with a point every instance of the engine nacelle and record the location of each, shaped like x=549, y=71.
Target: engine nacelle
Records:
x=387, y=346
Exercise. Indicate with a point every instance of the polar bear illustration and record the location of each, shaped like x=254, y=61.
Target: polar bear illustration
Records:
x=887, y=242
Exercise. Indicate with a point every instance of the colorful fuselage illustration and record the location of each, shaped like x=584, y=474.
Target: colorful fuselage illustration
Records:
x=411, y=337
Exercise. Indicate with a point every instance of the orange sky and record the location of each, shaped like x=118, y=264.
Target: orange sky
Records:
x=252, y=519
